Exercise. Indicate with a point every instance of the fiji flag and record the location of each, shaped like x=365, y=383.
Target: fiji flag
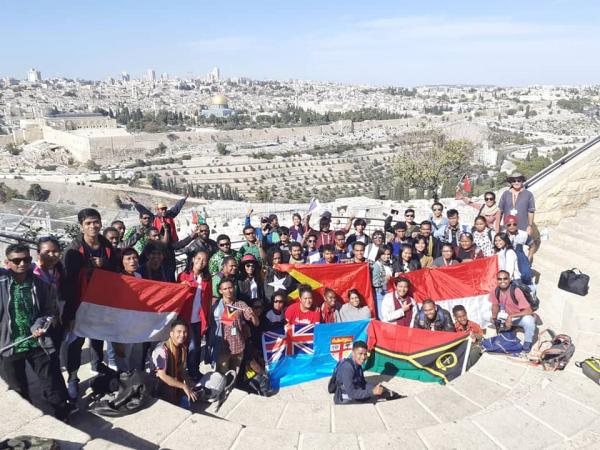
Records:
x=298, y=358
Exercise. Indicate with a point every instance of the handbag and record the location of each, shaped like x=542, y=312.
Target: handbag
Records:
x=576, y=283
x=590, y=368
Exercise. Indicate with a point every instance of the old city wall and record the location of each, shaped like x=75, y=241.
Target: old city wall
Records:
x=79, y=146
x=564, y=191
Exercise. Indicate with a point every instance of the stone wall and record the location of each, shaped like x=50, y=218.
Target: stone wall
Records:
x=79, y=146
x=569, y=188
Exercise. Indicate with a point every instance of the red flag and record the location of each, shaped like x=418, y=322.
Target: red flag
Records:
x=339, y=277
x=126, y=309
x=468, y=284
x=466, y=184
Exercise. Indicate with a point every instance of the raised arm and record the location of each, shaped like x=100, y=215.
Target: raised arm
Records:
x=176, y=209
x=139, y=207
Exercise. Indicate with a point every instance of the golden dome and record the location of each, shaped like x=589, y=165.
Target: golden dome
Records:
x=219, y=100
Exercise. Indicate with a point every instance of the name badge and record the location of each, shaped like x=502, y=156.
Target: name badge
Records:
x=513, y=212
x=233, y=331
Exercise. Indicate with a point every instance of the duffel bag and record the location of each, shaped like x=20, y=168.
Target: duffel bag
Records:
x=576, y=283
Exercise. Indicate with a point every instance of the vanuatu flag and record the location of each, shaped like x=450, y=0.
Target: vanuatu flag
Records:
x=434, y=356
x=339, y=277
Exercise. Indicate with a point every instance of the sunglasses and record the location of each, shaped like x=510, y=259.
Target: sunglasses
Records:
x=18, y=261
x=224, y=244
x=515, y=180
x=203, y=230
x=409, y=215
x=377, y=237
x=511, y=224
x=311, y=241
x=502, y=279
x=489, y=199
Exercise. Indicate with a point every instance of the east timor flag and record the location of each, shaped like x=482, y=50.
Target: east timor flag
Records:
x=339, y=277
x=433, y=356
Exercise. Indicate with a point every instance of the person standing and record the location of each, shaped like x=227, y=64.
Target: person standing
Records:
x=26, y=303
x=88, y=251
x=518, y=201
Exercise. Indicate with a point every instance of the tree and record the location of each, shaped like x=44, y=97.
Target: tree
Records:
x=37, y=193
x=221, y=148
x=92, y=165
x=428, y=168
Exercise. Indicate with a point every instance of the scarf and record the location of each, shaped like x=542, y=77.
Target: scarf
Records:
x=176, y=360
x=488, y=210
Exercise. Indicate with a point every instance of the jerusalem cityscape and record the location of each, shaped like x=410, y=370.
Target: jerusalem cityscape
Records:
x=307, y=227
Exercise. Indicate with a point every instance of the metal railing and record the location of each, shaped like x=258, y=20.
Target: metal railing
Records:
x=562, y=161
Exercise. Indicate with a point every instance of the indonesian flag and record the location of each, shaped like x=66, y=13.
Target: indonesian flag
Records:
x=339, y=277
x=468, y=284
x=128, y=310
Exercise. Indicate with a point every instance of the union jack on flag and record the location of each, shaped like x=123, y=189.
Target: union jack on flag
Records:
x=273, y=344
x=292, y=340
x=300, y=338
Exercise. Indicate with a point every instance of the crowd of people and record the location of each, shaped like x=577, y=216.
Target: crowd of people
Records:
x=247, y=292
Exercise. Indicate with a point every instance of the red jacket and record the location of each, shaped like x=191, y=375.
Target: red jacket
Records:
x=158, y=224
x=206, y=300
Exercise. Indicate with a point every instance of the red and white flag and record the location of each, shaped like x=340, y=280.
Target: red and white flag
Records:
x=128, y=310
x=468, y=284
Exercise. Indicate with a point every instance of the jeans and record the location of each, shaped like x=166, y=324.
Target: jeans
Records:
x=54, y=391
x=528, y=325
x=194, y=351
x=74, y=356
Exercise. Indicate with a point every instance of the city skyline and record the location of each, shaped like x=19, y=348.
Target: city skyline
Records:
x=382, y=44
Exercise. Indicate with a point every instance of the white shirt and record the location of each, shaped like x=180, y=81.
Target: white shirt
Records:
x=197, y=303
x=389, y=313
x=507, y=260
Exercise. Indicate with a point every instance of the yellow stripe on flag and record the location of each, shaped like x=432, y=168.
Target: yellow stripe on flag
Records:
x=303, y=279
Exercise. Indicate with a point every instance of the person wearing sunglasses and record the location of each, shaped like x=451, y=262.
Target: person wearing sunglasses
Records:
x=215, y=264
x=488, y=208
x=164, y=215
x=513, y=312
x=520, y=239
x=519, y=202
x=372, y=249
x=252, y=246
x=25, y=303
x=312, y=255
x=437, y=219
x=411, y=226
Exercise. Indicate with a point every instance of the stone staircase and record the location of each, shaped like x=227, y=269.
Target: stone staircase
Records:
x=501, y=403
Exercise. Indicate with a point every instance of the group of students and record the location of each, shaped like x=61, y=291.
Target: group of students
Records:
x=244, y=289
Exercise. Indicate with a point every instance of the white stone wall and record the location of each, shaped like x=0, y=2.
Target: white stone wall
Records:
x=568, y=189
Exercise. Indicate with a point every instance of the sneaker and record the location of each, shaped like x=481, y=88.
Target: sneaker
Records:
x=73, y=390
x=527, y=347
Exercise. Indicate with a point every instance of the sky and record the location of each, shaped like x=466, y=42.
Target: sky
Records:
x=394, y=42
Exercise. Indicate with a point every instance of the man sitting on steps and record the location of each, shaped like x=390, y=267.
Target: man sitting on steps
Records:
x=512, y=308
x=350, y=383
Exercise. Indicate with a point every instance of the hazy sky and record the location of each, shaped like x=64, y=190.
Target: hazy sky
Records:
x=375, y=42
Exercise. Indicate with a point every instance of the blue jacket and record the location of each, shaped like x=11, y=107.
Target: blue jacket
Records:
x=350, y=383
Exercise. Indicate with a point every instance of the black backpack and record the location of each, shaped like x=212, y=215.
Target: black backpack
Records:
x=531, y=298
x=332, y=384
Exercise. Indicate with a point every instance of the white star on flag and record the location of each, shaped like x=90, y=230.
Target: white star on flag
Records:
x=277, y=283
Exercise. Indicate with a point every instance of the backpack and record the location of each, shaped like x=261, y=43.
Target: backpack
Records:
x=332, y=384
x=590, y=368
x=133, y=395
x=524, y=264
x=553, y=352
x=504, y=342
x=531, y=298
